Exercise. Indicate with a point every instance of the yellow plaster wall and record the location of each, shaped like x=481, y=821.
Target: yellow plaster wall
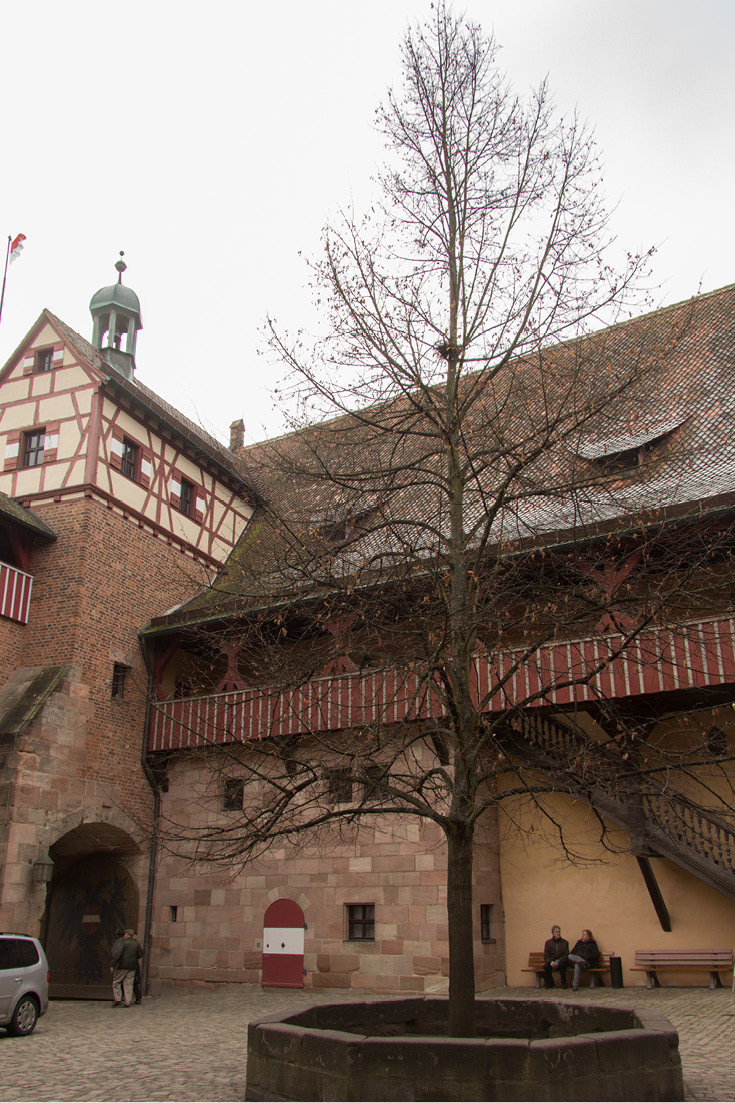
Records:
x=127, y=424
x=603, y=891
x=131, y=493
x=47, y=336
x=74, y=379
x=29, y=480
x=20, y=416
x=14, y=390
x=40, y=384
x=57, y=407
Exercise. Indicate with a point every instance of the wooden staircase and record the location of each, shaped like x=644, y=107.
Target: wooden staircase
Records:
x=660, y=821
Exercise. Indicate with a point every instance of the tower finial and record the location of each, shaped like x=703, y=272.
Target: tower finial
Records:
x=121, y=266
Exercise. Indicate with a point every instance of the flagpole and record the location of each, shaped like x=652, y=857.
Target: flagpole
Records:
x=5, y=276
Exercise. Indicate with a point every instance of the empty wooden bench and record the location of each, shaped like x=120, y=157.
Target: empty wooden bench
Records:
x=536, y=965
x=683, y=961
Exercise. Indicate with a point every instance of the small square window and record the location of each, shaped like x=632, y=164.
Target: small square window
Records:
x=129, y=458
x=233, y=794
x=186, y=498
x=340, y=787
x=486, y=923
x=119, y=677
x=33, y=444
x=361, y=922
x=44, y=360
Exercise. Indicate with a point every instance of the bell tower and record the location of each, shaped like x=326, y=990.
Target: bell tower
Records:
x=116, y=320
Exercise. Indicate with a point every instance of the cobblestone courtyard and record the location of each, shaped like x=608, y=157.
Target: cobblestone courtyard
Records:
x=193, y=1047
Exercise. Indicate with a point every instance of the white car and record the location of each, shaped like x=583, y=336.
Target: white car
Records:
x=24, y=976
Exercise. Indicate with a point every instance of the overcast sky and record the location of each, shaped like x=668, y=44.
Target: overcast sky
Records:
x=212, y=141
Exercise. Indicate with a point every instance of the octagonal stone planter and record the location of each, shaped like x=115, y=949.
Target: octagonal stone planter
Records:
x=526, y=1050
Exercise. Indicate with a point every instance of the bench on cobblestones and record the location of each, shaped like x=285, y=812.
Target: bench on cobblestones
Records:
x=689, y=961
x=536, y=965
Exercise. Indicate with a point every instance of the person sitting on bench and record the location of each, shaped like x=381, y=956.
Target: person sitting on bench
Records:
x=584, y=955
x=556, y=952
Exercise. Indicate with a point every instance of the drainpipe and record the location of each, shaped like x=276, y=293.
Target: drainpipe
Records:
x=155, y=787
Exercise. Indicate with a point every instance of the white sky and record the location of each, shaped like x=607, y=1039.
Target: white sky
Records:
x=211, y=142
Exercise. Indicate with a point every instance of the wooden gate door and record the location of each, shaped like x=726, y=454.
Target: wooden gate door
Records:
x=283, y=946
x=89, y=902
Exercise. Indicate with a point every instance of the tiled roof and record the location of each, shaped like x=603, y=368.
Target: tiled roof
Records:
x=196, y=437
x=674, y=370
x=12, y=511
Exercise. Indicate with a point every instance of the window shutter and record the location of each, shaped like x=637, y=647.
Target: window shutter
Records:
x=115, y=451
x=146, y=466
x=197, y=511
x=12, y=451
x=28, y=365
x=51, y=444
x=176, y=488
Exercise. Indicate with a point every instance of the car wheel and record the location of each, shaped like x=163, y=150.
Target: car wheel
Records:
x=24, y=1017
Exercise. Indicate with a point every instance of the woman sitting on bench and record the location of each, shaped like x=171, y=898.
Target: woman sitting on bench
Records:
x=584, y=955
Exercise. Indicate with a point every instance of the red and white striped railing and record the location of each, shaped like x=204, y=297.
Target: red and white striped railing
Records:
x=15, y=593
x=695, y=655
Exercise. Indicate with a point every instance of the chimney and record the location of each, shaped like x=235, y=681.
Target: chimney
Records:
x=237, y=435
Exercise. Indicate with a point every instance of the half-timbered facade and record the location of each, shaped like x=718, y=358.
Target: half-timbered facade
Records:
x=112, y=505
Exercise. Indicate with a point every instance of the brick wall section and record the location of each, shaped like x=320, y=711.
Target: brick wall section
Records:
x=398, y=866
x=80, y=758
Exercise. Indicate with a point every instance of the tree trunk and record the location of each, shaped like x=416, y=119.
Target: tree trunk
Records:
x=461, y=949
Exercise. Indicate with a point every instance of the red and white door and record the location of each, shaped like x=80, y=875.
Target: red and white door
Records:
x=283, y=946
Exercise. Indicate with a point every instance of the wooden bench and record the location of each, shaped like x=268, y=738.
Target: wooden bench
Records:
x=536, y=965
x=689, y=961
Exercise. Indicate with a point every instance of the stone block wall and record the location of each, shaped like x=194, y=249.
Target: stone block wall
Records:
x=399, y=866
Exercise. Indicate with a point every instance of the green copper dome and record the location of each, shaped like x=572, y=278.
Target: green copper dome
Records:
x=116, y=295
x=116, y=320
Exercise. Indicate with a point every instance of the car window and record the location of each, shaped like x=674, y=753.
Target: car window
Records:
x=18, y=953
x=25, y=952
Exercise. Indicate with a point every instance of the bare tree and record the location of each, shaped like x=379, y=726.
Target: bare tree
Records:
x=492, y=481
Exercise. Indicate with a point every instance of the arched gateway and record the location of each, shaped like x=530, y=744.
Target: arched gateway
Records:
x=90, y=897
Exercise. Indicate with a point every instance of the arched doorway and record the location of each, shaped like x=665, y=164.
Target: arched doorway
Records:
x=283, y=945
x=90, y=898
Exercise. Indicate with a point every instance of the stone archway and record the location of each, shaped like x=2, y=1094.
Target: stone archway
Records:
x=92, y=894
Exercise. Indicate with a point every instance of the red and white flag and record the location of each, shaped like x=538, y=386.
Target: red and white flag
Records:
x=16, y=247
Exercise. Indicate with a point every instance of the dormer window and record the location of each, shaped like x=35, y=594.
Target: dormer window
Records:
x=340, y=526
x=627, y=450
x=620, y=461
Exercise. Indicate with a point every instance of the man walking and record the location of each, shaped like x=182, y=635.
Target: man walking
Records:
x=125, y=956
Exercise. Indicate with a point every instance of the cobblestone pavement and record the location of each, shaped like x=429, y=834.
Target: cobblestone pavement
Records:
x=193, y=1047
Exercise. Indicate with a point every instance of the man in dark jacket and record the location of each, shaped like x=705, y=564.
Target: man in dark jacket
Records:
x=556, y=952
x=126, y=954
x=584, y=955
